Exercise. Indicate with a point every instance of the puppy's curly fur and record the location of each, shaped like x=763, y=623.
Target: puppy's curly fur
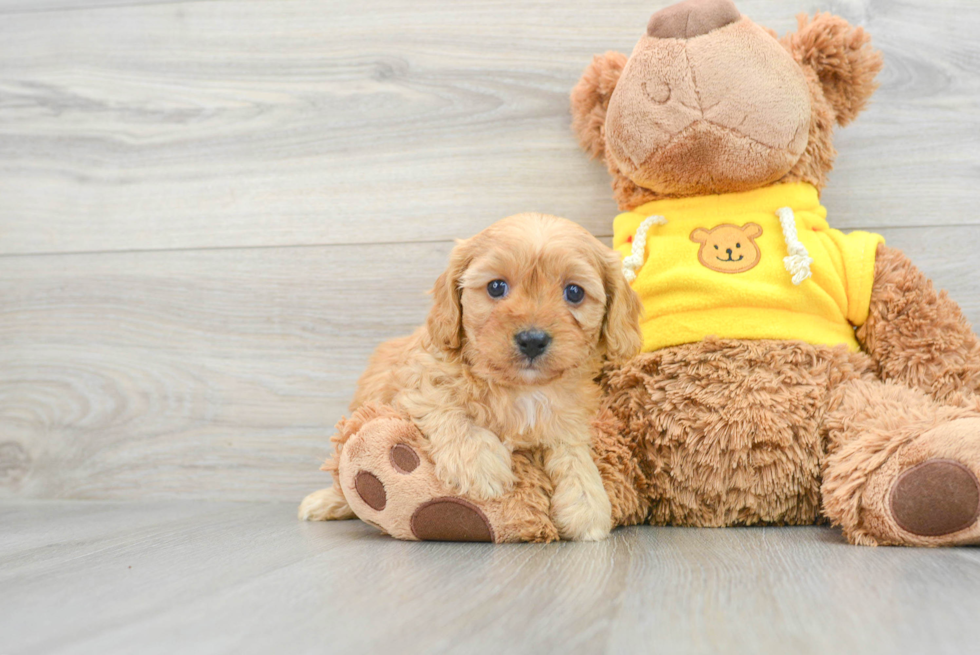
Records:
x=466, y=384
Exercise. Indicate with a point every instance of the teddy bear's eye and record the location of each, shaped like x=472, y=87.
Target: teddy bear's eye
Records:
x=716, y=247
x=738, y=245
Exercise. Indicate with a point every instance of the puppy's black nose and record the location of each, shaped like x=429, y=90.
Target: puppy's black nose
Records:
x=729, y=251
x=532, y=342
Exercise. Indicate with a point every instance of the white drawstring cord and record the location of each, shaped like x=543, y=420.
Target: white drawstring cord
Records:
x=635, y=259
x=799, y=260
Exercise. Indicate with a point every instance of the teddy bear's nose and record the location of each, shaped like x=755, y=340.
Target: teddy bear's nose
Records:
x=692, y=18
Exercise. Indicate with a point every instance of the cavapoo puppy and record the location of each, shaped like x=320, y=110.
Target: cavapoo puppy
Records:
x=521, y=323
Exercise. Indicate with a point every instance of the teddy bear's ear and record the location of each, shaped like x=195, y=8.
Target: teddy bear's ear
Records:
x=752, y=230
x=590, y=98
x=699, y=235
x=843, y=59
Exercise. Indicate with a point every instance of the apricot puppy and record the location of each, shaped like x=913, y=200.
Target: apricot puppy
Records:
x=521, y=323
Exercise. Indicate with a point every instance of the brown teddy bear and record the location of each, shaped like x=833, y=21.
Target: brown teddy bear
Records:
x=791, y=374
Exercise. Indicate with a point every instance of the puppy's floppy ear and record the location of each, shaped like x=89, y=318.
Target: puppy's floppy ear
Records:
x=590, y=98
x=621, y=334
x=445, y=321
x=843, y=59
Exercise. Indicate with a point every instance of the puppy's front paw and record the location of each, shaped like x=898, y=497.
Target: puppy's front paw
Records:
x=482, y=470
x=581, y=511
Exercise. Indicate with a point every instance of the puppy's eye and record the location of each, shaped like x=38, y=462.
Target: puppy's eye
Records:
x=716, y=247
x=574, y=294
x=738, y=245
x=497, y=289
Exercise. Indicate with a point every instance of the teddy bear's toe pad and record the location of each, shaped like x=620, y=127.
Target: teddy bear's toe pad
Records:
x=403, y=459
x=936, y=497
x=371, y=490
x=450, y=519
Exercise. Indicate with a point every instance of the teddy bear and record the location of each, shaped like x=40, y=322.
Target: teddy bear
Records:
x=791, y=374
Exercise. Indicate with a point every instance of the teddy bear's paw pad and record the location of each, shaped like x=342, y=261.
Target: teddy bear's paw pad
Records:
x=450, y=519
x=403, y=458
x=371, y=490
x=935, y=498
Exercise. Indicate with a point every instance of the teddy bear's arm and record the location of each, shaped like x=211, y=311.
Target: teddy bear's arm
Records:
x=916, y=335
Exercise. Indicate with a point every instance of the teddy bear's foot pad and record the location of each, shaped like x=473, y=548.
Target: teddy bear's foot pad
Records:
x=935, y=498
x=450, y=519
x=390, y=484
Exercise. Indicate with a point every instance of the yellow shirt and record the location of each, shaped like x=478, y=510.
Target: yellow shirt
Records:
x=716, y=267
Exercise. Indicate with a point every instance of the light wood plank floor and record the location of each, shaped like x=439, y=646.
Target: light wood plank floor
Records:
x=198, y=577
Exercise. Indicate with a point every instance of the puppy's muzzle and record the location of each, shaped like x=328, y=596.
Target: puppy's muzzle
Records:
x=532, y=343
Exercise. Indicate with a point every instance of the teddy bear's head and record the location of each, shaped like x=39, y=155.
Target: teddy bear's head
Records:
x=711, y=102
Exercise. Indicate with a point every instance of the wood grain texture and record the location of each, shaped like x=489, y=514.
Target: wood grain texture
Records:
x=220, y=373
x=213, y=373
x=135, y=126
x=212, y=211
x=81, y=577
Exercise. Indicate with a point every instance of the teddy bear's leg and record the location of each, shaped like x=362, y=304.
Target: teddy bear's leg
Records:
x=901, y=468
x=612, y=448
x=917, y=335
x=383, y=470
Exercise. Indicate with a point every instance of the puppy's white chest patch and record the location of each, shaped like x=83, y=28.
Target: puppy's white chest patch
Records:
x=532, y=407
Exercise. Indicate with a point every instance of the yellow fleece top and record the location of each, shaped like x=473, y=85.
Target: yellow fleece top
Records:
x=720, y=265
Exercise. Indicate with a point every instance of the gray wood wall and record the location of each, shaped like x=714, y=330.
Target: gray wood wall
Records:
x=212, y=211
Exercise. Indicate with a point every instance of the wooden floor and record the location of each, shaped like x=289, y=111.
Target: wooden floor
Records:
x=198, y=577
x=211, y=211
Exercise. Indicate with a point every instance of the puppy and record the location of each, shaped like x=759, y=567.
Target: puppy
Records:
x=521, y=323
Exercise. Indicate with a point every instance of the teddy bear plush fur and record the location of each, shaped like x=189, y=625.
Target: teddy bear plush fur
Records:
x=883, y=441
